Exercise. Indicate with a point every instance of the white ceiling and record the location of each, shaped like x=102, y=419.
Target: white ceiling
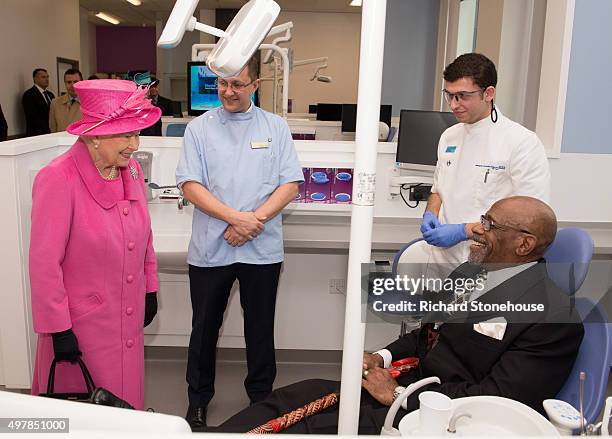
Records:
x=145, y=14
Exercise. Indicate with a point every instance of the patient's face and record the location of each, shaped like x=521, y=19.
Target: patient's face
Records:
x=494, y=245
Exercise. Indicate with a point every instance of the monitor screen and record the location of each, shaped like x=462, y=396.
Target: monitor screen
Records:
x=419, y=134
x=202, y=89
x=349, y=116
x=329, y=112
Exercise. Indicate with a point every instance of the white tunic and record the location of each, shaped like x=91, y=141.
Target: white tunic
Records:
x=481, y=163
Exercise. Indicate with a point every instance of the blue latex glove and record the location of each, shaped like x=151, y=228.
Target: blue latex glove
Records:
x=430, y=221
x=446, y=235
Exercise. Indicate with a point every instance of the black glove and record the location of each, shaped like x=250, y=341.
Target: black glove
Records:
x=66, y=346
x=150, y=308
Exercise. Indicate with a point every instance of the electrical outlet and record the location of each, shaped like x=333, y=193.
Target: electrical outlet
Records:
x=337, y=286
x=419, y=193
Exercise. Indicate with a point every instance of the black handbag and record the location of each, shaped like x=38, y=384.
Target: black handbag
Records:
x=94, y=395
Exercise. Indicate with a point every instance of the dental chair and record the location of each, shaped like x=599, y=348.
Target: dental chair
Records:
x=568, y=258
x=594, y=358
x=176, y=130
x=567, y=263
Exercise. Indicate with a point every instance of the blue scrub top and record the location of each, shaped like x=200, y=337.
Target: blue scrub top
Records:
x=241, y=158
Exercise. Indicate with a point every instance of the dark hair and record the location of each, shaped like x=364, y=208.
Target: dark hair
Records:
x=253, y=66
x=73, y=72
x=472, y=65
x=39, y=69
x=92, y=77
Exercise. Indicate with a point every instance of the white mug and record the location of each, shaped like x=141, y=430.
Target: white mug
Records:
x=435, y=410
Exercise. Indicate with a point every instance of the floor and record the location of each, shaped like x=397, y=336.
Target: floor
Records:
x=167, y=389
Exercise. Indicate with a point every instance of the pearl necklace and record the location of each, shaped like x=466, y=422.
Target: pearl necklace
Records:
x=111, y=175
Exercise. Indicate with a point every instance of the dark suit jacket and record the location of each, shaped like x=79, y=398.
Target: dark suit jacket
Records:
x=166, y=107
x=531, y=362
x=3, y=127
x=36, y=112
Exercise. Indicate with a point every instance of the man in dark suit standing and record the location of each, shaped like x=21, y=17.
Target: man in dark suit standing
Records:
x=161, y=102
x=525, y=356
x=3, y=126
x=36, y=102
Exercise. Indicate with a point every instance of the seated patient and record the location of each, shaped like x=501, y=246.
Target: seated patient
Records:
x=524, y=357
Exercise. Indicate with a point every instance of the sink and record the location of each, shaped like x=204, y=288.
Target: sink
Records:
x=492, y=416
x=171, y=234
x=171, y=252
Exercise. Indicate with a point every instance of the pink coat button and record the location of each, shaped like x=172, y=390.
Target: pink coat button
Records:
x=126, y=210
x=129, y=343
x=129, y=278
x=131, y=246
x=129, y=310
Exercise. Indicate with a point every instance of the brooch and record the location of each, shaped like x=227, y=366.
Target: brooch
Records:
x=133, y=172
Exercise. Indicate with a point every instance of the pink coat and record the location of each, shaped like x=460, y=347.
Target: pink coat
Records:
x=91, y=263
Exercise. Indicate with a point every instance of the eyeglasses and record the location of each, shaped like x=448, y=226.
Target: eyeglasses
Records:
x=488, y=224
x=235, y=86
x=460, y=95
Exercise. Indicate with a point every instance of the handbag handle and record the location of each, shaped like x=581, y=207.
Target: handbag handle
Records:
x=86, y=375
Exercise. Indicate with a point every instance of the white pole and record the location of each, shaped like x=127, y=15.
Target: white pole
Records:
x=368, y=108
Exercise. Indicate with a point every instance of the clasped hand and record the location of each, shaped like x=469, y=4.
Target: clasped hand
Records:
x=244, y=227
x=377, y=381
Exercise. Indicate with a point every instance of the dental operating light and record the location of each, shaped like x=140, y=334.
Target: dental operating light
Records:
x=236, y=44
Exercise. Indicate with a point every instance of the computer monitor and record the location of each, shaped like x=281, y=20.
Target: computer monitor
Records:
x=349, y=116
x=202, y=89
x=419, y=134
x=331, y=112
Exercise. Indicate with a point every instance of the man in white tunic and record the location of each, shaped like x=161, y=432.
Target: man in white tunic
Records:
x=482, y=159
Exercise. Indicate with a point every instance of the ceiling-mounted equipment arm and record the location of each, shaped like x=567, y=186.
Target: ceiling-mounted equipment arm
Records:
x=285, y=27
x=236, y=44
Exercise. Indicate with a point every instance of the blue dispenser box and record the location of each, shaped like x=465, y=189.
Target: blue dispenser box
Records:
x=342, y=187
x=318, y=186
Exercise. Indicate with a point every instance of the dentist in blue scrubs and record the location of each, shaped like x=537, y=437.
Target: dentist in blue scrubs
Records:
x=239, y=168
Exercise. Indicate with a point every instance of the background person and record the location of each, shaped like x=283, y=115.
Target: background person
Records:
x=36, y=102
x=66, y=109
x=164, y=104
x=93, y=273
x=3, y=126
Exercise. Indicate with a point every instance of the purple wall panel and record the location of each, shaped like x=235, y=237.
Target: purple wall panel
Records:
x=119, y=49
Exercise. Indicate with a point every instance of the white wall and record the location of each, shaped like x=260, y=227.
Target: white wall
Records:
x=319, y=34
x=33, y=34
x=410, y=54
x=88, y=64
x=520, y=60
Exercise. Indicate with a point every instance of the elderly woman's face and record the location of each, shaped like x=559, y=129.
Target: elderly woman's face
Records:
x=116, y=149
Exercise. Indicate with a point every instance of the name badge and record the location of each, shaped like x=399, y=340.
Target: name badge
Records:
x=259, y=145
x=451, y=148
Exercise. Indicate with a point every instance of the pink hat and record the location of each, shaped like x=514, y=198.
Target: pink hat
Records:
x=113, y=106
